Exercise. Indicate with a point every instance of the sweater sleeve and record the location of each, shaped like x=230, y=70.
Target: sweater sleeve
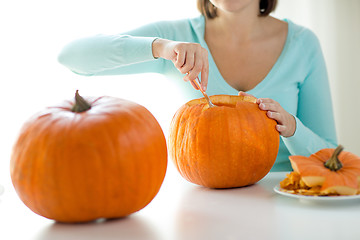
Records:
x=315, y=127
x=102, y=54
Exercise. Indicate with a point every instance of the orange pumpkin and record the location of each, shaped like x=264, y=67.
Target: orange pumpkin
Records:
x=336, y=171
x=96, y=158
x=231, y=145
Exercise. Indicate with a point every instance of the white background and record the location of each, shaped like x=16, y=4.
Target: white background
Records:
x=33, y=33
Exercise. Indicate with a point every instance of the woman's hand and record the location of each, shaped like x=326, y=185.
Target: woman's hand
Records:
x=286, y=122
x=189, y=58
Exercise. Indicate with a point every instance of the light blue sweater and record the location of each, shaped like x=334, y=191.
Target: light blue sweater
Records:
x=298, y=80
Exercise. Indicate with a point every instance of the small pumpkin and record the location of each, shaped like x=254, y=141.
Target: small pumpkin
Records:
x=336, y=171
x=89, y=159
x=233, y=144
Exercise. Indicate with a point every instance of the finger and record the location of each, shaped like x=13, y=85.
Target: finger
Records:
x=276, y=116
x=204, y=77
x=196, y=69
x=180, y=59
x=188, y=64
x=205, y=70
x=241, y=93
x=280, y=128
x=186, y=79
x=283, y=130
x=274, y=107
x=265, y=100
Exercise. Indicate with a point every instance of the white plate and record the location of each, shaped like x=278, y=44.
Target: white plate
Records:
x=315, y=198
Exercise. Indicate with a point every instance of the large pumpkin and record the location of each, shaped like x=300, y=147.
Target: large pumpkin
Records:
x=96, y=158
x=231, y=145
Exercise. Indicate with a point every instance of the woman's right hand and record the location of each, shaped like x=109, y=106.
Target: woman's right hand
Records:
x=189, y=58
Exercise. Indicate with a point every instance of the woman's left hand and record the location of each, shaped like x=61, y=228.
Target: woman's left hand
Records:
x=286, y=122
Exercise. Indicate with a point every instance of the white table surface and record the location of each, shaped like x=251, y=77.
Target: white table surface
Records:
x=182, y=210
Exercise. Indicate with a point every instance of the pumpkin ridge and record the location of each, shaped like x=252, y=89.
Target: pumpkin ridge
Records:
x=197, y=135
x=339, y=179
x=186, y=144
x=114, y=152
x=183, y=144
x=254, y=149
x=43, y=131
x=61, y=133
x=235, y=153
x=179, y=144
x=173, y=136
x=135, y=119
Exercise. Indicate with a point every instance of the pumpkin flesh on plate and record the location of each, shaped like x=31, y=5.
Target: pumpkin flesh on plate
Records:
x=342, y=178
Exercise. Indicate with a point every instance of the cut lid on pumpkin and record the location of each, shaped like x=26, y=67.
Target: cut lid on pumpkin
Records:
x=223, y=100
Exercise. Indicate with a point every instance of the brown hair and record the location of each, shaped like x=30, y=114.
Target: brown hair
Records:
x=207, y=9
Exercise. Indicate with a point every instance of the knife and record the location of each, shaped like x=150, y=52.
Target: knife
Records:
x=196, y=82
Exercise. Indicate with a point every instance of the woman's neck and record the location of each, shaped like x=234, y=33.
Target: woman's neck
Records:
x=244, y=25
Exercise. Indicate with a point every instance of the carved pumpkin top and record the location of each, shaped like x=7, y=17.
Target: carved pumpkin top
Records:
x=314, y=172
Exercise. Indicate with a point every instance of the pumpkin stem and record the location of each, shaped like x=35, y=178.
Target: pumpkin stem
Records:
x=334, y=163
x=81, y=105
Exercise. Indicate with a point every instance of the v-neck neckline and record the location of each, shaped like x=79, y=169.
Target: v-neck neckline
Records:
x=200, y=27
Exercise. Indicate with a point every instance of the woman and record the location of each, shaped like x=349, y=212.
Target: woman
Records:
x=236, y=48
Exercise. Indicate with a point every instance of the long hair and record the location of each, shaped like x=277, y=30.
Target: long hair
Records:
x=207, y=9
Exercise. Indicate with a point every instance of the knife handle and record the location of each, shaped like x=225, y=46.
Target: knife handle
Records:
x=196, y=82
